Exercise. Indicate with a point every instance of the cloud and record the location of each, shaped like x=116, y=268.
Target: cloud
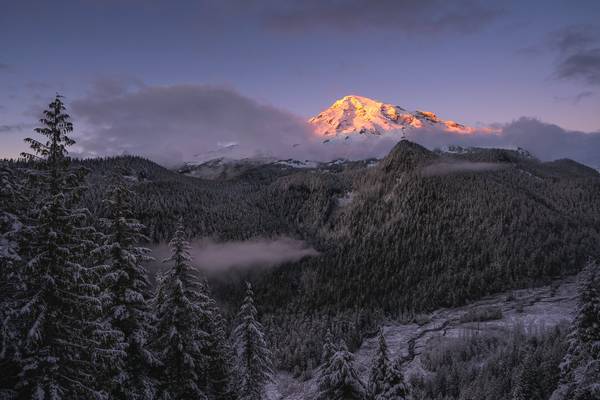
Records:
x=356, y=147
x=583, y=65
x=409, y=16
x=575, y=37
x=583, y=95
x=578, y=49
x=550, y=142
x=545, y=141
x=171, y=124
x=111, y=86
x=575, y=100
x=217, y=257
x=14, y=127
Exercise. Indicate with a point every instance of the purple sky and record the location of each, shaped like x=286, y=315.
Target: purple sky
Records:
x=477, y=62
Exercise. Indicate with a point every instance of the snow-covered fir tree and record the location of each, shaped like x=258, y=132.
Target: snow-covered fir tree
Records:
x=253, y=357
x=183, y=316
x=11, y=228
x=379, y=368
x=329, y=348
x=127, y=297
x=10, y=223
x=580, y=369
x=219, y=357
x=386, y=381
x=525, y=387
x=60, y=296
x=395, y=387
x=339, y=379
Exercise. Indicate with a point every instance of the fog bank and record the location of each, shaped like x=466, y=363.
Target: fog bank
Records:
x=217, y=257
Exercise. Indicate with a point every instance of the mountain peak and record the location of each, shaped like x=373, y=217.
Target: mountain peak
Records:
x=357, y=101
x=355, y=114
x=406, y=155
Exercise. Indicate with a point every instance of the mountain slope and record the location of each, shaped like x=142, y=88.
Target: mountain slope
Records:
x=416, y=231
x=528, y=312
x=361, y=115
x=407, y=242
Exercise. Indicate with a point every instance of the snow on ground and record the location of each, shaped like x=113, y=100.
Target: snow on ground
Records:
x=531, y=309
x=297, y=163
x=346, y=199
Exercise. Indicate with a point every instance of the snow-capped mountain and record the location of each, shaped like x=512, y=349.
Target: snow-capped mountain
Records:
x=361, y=115
x=350, y=119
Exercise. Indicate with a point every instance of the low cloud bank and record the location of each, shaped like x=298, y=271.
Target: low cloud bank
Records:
x=545, y=141
x=216, y=257
x=173, y=124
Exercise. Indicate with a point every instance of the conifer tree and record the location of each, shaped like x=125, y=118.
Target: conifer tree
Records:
x=183, y=313
x=10, y=221
x=218, y=355
x=386, y=381
x=580, y=369
x=525, y=384
x=127, y=297
x=11, y=228
x=328, y=348
x=379, y=368
x=60, y=295
x=339, y=379
x=253, y=358
x=395, y=387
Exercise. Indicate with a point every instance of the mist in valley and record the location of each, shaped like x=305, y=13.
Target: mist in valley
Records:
x=227, y=258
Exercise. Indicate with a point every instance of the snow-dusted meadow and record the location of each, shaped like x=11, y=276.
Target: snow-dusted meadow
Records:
x=532, y=310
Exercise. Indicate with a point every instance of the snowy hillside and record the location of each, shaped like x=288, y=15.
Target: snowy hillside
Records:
x=530, y=311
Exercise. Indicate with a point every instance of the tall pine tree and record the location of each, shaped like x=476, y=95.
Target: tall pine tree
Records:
x=11, y=229
x=329, y=348
x=127, y=297
x=395, y=387
x=183, y=314
x=580, y=369
x=386, y=381
x=10, y=222
x=218, y=354
x=60, y=293
x=339, y=379
x=526, y=382
x=253, y=358
x=379, y=368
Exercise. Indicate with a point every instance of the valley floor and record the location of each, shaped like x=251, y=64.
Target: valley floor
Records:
x=532, y=310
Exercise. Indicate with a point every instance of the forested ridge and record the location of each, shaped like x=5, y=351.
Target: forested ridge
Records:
x=407, y=242
x=417, y=231
x=79, y=318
